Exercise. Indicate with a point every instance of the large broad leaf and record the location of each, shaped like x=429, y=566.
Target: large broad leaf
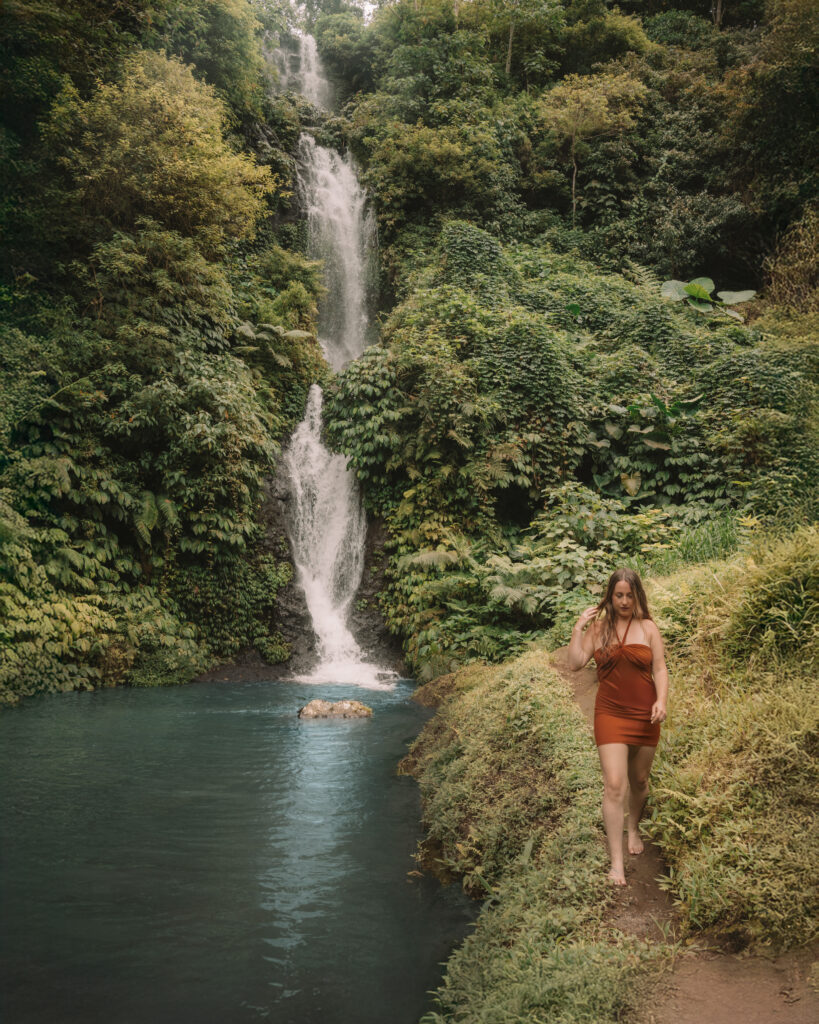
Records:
x=674, y=290
x=696, y=291
x=631, y=482
x=700, y=306
x=705, y=283
x=733, y=313
x=732, y=298
x=657, y=444
x=621, y=410
x=613, y=430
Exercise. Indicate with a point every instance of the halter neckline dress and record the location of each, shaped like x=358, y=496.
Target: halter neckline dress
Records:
x=625, y=695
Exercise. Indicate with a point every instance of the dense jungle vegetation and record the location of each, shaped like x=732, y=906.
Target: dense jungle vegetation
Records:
x=158, y=319
x=539, y=408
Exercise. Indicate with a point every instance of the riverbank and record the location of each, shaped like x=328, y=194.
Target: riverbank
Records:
x=510, y=785
x=510, y=788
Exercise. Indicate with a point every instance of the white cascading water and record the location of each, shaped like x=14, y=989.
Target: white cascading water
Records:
x=302, y=72
x=327, y=532
x=327, y=524
x=342, y=234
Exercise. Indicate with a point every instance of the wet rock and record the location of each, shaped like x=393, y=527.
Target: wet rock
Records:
x=366, y=621
x=337, y=709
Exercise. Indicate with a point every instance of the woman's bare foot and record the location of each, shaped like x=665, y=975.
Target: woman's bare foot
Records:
x=635, y=843
x=617, y=877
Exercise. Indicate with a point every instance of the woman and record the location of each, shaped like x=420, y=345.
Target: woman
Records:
x=631, y=702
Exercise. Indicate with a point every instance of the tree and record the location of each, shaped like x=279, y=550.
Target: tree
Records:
x=590, y=106
x=153, y=145
x=510, y=16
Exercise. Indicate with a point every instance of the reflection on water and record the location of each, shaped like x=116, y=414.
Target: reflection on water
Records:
x=199, y=854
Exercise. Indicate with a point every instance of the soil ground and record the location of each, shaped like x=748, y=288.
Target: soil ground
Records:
x=704, y=984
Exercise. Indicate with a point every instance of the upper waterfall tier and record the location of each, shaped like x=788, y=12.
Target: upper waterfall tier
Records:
x=302, y=72
x=341, y=233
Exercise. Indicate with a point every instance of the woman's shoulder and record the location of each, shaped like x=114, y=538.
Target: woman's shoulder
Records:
x=650, y=629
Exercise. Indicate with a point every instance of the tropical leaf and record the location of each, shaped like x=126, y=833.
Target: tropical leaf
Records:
x=696, y=291
x=674, y=290
x=731, y=298
x=631, y=483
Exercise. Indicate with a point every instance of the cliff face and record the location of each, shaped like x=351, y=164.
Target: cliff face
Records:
x=366, y=620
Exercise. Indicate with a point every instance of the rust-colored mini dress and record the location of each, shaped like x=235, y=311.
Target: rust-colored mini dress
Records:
x=622, y=709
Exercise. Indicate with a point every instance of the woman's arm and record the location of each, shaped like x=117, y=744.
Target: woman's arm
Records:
x=659, y=670
x=581, y=646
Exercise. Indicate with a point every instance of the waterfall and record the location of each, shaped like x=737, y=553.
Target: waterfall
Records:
x=328, y=529
x=301, y=72
x=326, y=521
x=341, y=233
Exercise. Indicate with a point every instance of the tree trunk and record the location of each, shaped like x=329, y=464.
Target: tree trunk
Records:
x=717, y=13
x=509, y=51
x=574, y=185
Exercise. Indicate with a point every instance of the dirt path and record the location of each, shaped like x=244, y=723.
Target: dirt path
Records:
x=704, y=986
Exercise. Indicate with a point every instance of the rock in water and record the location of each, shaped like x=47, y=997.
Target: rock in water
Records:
x=339, y=709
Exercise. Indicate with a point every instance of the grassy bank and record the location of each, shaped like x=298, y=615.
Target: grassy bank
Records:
x=736, y=777
x=511, y=791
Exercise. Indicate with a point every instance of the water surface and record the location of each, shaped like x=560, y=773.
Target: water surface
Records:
x=199, y=854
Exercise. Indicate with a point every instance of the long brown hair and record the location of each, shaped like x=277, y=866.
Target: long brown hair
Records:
x=606, y=606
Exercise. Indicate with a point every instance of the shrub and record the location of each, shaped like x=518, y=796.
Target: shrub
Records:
x=793, y=270
x=778, y=611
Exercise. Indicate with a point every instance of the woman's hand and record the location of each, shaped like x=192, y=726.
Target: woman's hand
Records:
x=581, y=644
x=585, y=618
x=658, y=712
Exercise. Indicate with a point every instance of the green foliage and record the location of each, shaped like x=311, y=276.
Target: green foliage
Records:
x=156, y=349
x=736, y=776
x=771, y=127
x=234, y=605
x=792, y=270
x=151, y=144
x=778, y=611
x=697, y=295
x=222, y=39
x=505, y=431
x=680, y=28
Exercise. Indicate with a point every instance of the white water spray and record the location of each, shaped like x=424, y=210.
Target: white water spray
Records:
x=327, y=524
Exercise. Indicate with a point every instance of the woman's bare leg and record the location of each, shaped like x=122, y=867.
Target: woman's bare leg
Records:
x=614, y=762
x=639, y=765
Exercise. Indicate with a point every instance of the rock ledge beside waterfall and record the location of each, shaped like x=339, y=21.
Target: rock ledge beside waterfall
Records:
x=335, y=709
